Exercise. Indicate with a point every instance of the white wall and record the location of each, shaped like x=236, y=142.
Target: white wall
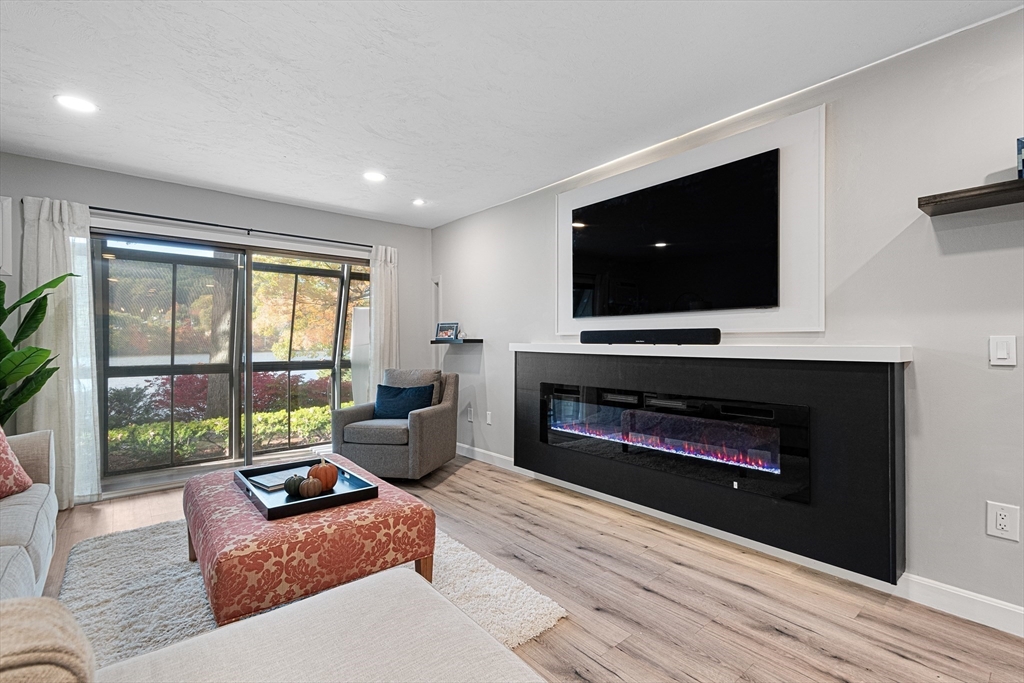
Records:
x=940, y=118
x=24, y=176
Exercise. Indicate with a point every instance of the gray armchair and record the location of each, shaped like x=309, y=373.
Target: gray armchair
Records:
x=402, y=449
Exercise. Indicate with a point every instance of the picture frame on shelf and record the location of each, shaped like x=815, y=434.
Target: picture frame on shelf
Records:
x=447, y=331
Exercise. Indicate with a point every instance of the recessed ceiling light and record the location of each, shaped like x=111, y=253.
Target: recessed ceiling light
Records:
x=418, y=202
x=660, y=244
x=579, y=225
x=374, y=176
x=76, y=103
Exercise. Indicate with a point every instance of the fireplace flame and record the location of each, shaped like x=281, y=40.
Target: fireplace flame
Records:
x=721, y=454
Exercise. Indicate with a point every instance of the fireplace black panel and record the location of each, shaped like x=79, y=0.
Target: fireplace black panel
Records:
x=853, y=516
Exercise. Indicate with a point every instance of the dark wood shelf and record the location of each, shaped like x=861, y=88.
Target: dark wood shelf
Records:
x=983, y=197
x=456, y=341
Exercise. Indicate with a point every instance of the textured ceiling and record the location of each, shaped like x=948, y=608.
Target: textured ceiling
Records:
x=464, y=104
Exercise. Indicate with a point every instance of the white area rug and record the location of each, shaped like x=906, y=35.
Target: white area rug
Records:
x=135, y=591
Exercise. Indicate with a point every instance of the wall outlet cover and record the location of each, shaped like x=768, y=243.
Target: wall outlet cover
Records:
x=1003, y=521
x=469, y=413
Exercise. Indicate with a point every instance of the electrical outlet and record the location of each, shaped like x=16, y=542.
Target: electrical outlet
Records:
x=1003, y=521
x=470, y=413
x=488, y=417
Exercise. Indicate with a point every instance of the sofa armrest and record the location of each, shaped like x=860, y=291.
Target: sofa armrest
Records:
x=346, y=416
x=35, y=453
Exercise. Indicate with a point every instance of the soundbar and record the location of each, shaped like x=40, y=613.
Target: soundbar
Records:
x=700, y=335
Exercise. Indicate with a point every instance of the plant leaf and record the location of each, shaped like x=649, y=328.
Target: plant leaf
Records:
x=6, y=346
x=32, y=320
x=38, y=291
x=20, y=364
x=26, y=390
x=3, y=294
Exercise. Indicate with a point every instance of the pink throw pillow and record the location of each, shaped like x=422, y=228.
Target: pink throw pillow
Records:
x=13, y=477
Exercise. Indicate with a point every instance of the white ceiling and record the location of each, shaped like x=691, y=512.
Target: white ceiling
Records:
x=464, y=104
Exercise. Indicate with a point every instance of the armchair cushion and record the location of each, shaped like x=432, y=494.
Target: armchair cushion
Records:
x=392, y=432
x=13, y=478
x=395, y=403
x=394, y=377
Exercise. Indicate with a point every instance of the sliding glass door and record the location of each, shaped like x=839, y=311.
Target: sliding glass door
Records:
x=216, y=354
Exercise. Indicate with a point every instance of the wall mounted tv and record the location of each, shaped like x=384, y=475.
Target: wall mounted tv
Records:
x=704, y=242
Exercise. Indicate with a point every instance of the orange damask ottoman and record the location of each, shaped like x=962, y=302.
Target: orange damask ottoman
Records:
x=250, y=564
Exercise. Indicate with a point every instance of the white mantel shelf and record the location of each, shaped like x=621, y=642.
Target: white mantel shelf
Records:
x=820, y=352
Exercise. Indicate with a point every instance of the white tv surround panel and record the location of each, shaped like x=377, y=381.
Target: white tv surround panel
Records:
x=801, y=142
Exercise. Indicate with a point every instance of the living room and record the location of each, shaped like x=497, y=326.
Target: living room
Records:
x=307, y=201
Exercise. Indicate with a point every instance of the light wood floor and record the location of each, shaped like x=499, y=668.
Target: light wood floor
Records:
x=650, y=601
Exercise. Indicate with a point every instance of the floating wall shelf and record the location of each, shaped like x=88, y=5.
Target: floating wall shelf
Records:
x=983, y=197
x=456, y=341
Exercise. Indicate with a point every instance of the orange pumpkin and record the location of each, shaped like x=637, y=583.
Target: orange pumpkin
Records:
x=326, y=473
x=310, y=487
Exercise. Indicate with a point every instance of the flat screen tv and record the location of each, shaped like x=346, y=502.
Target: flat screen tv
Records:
x=704, y=242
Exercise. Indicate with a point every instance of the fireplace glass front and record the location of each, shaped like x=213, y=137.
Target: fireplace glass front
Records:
x=760, y=448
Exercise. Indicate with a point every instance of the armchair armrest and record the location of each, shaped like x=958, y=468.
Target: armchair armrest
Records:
x=35, y=453
x=431, y=437
x=346, y=416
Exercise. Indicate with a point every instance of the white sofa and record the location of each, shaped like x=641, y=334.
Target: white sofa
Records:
x=28, y=520
x=391, y=626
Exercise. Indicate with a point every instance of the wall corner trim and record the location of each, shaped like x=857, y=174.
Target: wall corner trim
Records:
x=982, y=609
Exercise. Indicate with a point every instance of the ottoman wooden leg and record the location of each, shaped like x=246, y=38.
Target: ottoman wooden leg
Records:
x=192, y=549
x=425, y=567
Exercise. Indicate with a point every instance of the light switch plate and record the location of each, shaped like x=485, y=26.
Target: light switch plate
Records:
x=1002, y=350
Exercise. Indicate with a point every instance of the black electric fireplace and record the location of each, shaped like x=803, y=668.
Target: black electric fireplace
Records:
x=805, y=456
x=760, y=448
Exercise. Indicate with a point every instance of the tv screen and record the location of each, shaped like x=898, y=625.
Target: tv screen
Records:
x=704, y=242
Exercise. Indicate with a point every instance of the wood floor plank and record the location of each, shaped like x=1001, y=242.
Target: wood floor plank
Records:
x=651, y=601
x=813, y=596
x=954, y=650
x=637, y=667
x=570, y=654
x=775, y=673
x=696, y=656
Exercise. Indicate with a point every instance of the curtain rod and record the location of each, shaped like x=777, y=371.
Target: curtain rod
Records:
x=247, y=231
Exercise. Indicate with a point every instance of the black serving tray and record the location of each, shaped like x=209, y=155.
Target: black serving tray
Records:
x=278, y=504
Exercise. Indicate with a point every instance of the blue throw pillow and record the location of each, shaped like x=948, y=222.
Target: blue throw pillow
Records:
x=395, y=403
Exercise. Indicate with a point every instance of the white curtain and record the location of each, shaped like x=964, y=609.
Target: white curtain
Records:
x=56, y=241
x=383, y=315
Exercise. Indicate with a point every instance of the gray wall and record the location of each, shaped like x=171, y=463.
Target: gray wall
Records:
x=24, y=176
x=940, y=118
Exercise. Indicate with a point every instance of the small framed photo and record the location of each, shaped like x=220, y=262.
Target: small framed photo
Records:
x=447, y=331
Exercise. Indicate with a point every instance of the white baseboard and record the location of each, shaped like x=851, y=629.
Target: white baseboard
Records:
x=1001, y=615
x=1004, y=616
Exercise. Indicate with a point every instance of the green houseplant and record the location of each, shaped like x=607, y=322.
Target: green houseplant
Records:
x=28, y=368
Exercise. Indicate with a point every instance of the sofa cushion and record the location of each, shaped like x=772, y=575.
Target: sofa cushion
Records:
x=17, y=575
x=28, y=519
x=13, y=478
x=391, y=432
x=43, y=642
x=391, y=626
x=415, y=378
x=395, y=403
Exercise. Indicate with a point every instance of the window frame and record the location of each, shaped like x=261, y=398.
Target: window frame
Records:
x=238, y=369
